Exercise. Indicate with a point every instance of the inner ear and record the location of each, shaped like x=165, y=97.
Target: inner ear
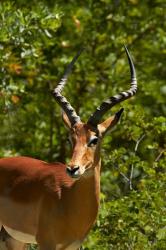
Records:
x=66, y=120
x=110, y=122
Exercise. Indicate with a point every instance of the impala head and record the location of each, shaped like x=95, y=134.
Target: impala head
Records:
x=86, y=137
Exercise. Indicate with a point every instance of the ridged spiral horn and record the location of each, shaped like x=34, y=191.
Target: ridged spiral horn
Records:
x=65, y=105
x=111, y=101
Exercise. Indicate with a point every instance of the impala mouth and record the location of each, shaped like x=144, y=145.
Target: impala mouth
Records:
x=78, y=172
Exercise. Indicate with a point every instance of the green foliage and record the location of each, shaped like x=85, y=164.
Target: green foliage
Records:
x=134, y=222
x=37, y=41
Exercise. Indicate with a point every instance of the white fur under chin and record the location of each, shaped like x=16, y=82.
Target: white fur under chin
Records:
x=88, y=173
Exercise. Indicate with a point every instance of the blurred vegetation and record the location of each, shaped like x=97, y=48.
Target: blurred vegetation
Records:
x=37, y=41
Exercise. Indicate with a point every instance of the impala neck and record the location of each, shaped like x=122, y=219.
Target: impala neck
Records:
x=88, y=186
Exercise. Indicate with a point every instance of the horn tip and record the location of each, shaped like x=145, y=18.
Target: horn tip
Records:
x=118, y=114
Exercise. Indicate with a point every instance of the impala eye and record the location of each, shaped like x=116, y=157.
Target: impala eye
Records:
x=93, y=141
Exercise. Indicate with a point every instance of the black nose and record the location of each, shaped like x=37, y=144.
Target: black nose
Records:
x=72, y=171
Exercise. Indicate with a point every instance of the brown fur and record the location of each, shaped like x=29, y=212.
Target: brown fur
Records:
x=8, y=243
x=40, y=199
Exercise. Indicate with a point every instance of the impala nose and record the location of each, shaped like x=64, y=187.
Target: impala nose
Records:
x=73, y=171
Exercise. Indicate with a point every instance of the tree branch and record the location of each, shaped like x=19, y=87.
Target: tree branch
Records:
x=132, y=166
x=159, y=156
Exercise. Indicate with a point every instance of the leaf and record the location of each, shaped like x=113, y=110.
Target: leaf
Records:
x=15, y=99
x=161, y=235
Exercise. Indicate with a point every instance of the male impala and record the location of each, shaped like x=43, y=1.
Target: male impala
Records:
x=8, y=243
x=52, y=204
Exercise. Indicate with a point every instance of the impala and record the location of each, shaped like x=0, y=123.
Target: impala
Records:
x=52, y=204
x=8, y=243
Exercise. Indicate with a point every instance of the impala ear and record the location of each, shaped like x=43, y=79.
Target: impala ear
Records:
x=66, y=120
x=110, y=122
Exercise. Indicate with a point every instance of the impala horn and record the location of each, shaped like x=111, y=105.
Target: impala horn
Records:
x=65, y=105
x=110, y=102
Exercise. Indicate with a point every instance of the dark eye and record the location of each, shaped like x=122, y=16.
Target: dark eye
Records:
x=93, y=141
